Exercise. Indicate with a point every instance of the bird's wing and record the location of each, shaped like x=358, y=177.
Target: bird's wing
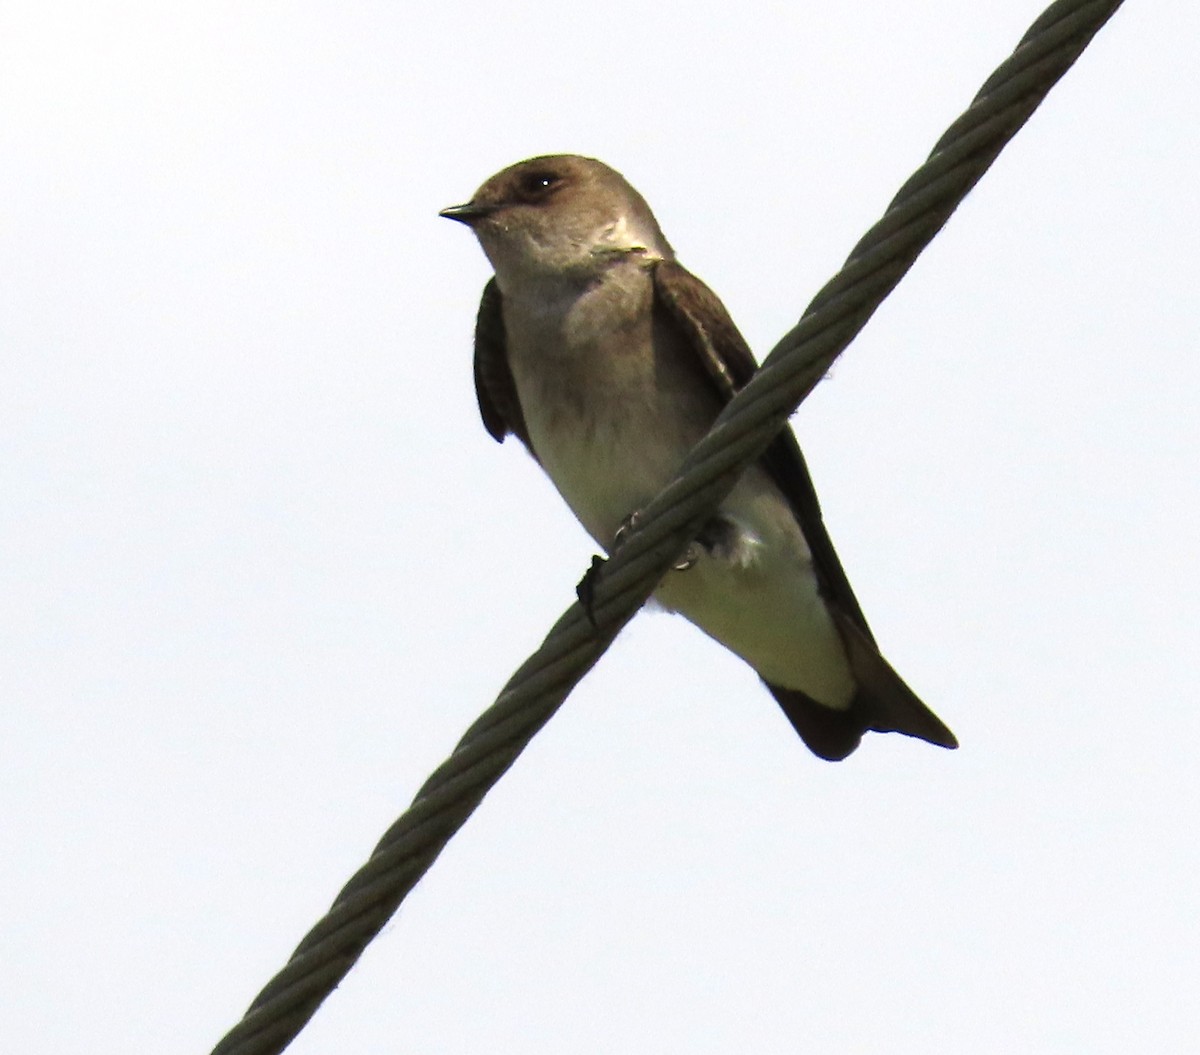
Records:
x=730, y=364
x=499, y=405
x=883, y=701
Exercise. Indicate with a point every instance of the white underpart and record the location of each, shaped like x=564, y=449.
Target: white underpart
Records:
x=591, y=416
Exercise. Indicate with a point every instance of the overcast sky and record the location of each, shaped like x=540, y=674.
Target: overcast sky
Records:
x=260, y=564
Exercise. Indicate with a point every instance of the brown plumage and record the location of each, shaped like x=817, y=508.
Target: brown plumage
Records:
x=688, y=316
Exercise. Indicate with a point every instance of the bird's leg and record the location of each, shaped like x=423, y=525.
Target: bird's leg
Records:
x=586, y=590
x=690, y=555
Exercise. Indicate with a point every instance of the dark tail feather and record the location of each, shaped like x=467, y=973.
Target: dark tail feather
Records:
x=829, y=734
x=883, y=704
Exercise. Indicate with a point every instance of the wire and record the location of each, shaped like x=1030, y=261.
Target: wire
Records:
x=667, y=524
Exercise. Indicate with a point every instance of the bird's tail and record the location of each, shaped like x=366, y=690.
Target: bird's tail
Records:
x=883, y=704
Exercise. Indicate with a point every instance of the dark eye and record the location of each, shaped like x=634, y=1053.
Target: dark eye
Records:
x=537, y=185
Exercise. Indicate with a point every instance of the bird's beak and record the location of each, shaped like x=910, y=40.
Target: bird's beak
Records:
x=466, y=213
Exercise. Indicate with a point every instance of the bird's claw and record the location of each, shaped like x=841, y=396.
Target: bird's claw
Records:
x=627, y=525
x=690, y=556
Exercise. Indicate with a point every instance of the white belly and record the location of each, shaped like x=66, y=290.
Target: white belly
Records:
x=769, y=611
x=764, y=607
x=613, y=403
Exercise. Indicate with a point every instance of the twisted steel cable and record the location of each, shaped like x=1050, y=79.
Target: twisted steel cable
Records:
x=668, y=523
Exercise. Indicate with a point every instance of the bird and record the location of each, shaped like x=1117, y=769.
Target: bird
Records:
x=608, y=360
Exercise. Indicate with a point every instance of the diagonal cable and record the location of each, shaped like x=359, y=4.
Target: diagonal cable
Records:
x=740, y=435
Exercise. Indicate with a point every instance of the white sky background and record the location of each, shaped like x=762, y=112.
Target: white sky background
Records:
x=260, y=565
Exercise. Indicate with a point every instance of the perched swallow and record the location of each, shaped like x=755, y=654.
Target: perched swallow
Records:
x=609, y=361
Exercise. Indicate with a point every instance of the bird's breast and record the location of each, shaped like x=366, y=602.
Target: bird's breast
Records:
x=611, y=406
x=602, y=435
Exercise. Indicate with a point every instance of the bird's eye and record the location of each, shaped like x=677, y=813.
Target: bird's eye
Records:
x=537, y=185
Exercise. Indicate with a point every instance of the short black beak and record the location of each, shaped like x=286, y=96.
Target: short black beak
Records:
x=467, y=213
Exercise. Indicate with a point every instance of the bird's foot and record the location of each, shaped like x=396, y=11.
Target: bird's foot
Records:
x=690, y=555
x=586, y=590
